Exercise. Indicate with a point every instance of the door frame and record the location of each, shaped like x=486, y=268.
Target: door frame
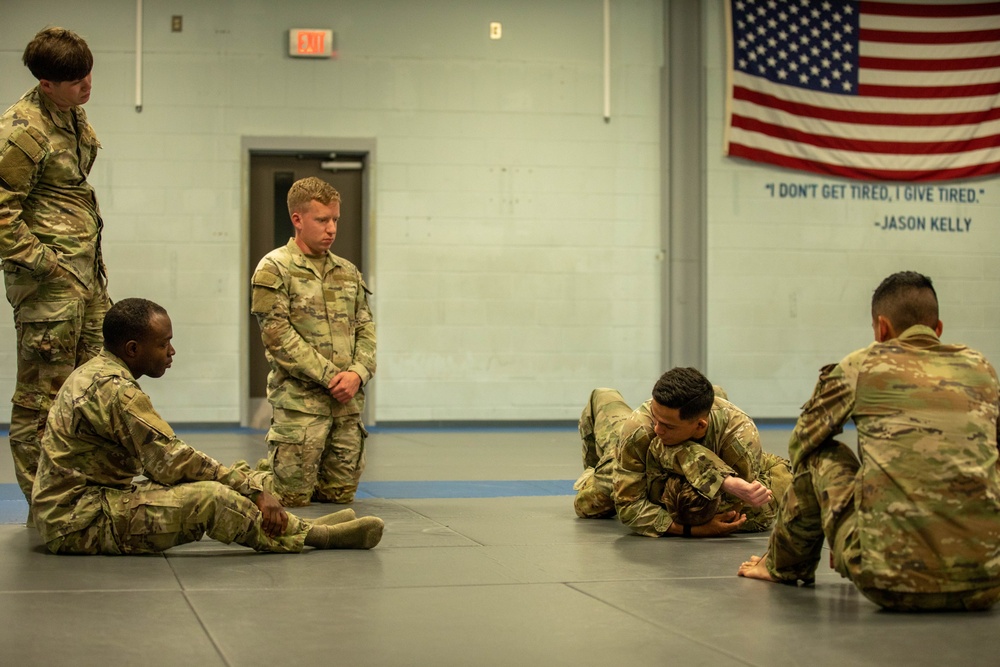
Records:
x=277, y=145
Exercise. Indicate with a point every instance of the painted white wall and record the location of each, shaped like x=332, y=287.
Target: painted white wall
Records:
x=791, y=278
x=516, y=235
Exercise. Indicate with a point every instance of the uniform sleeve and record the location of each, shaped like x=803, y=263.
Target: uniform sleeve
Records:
x=702, y=468
x=271, y=304
x=630, y=492
x=830, y=406
x=739, y=452
x=21, y=156
x=364, y=337
x=165, y=458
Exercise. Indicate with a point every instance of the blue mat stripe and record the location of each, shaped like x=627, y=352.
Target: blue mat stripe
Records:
x=467, y=489
x=10, y=492
x=13, y=508
x=13, y=511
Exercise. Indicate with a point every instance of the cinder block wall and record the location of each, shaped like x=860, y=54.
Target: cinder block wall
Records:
x=515, y=234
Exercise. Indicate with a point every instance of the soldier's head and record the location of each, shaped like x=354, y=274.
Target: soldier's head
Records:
x=139, y=332
x=314, y=206
x=685, y=504
x=903, y=300
x=61, y=61
x=682, y=399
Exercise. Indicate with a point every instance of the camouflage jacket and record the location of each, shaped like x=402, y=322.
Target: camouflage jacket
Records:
x=927, y=495
x=731, y=446
x=313, y=327
x=101, y=433
x=48, y=211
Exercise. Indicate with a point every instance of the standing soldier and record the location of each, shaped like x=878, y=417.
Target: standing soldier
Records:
x=312, y=307
x=50, y=235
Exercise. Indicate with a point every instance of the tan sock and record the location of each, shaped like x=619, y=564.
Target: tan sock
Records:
x=363, y=533
x=342, y=516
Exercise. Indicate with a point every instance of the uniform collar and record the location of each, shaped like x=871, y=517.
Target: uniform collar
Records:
x=64, y=119
x=114, y=360
x=303, y=260
x=918, y=333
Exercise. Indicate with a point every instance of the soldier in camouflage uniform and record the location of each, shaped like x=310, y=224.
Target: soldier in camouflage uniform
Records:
x=915, y=524
x=685, y=430
x=102, y=432
x=317, y=329
x=50, y=235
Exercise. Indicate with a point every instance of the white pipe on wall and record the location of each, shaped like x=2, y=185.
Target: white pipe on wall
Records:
x=607, y=61
x=138, y=56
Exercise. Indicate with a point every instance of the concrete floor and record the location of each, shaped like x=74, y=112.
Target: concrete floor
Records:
x=483, y=563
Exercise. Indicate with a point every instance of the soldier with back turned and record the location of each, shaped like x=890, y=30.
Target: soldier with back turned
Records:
x=915, y=524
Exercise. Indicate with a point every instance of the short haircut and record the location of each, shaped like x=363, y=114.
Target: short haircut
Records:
x=57, y=55
x=305, y=190
x=127, y=320
x=905, y=299
x=685, y=390
x=685, y=504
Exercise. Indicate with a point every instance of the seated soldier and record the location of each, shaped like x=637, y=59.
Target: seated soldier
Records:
x=914, y=522
x=684, y=429
x=102, y=432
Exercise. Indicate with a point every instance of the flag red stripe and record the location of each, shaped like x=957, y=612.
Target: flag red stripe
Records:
x=925, y=11
x=865, y=117
x=901, y=37
x=865, y=145
x=927, y=65
x=758, y=155
x=929, y=92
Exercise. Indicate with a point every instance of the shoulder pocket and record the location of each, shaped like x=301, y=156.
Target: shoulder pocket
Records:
x=266, y=279
x=19, y=160
x=264, y=291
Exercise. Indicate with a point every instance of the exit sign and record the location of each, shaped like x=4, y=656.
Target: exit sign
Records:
x=310, y=43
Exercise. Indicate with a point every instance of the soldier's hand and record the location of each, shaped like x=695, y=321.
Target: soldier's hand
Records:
x=58, y=273
x=274, y=518
x=721, y=524
x=754, y=494
x=345, y=385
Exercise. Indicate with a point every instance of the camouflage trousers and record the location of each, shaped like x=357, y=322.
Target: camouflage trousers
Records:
x=820, y=504
x=152, y=518
x=314, y=457
x=600, y=425
x=58, y=325
x=776, y=475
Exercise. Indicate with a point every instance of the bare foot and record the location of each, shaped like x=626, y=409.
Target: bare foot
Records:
x=755, y=568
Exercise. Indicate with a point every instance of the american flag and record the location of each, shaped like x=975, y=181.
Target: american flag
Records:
x=903, y=91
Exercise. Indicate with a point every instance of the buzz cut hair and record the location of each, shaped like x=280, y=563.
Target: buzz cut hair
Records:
x=308, y=189
x=127, y=320
x=57, y=55
x=685, y=390
x=906, y=298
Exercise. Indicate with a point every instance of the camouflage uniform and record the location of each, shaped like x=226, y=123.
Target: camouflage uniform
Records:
x=631, y=473
x=314, y=325
x=102, y=432
x=50, y=242
x=600, y=426
x=915, y=524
